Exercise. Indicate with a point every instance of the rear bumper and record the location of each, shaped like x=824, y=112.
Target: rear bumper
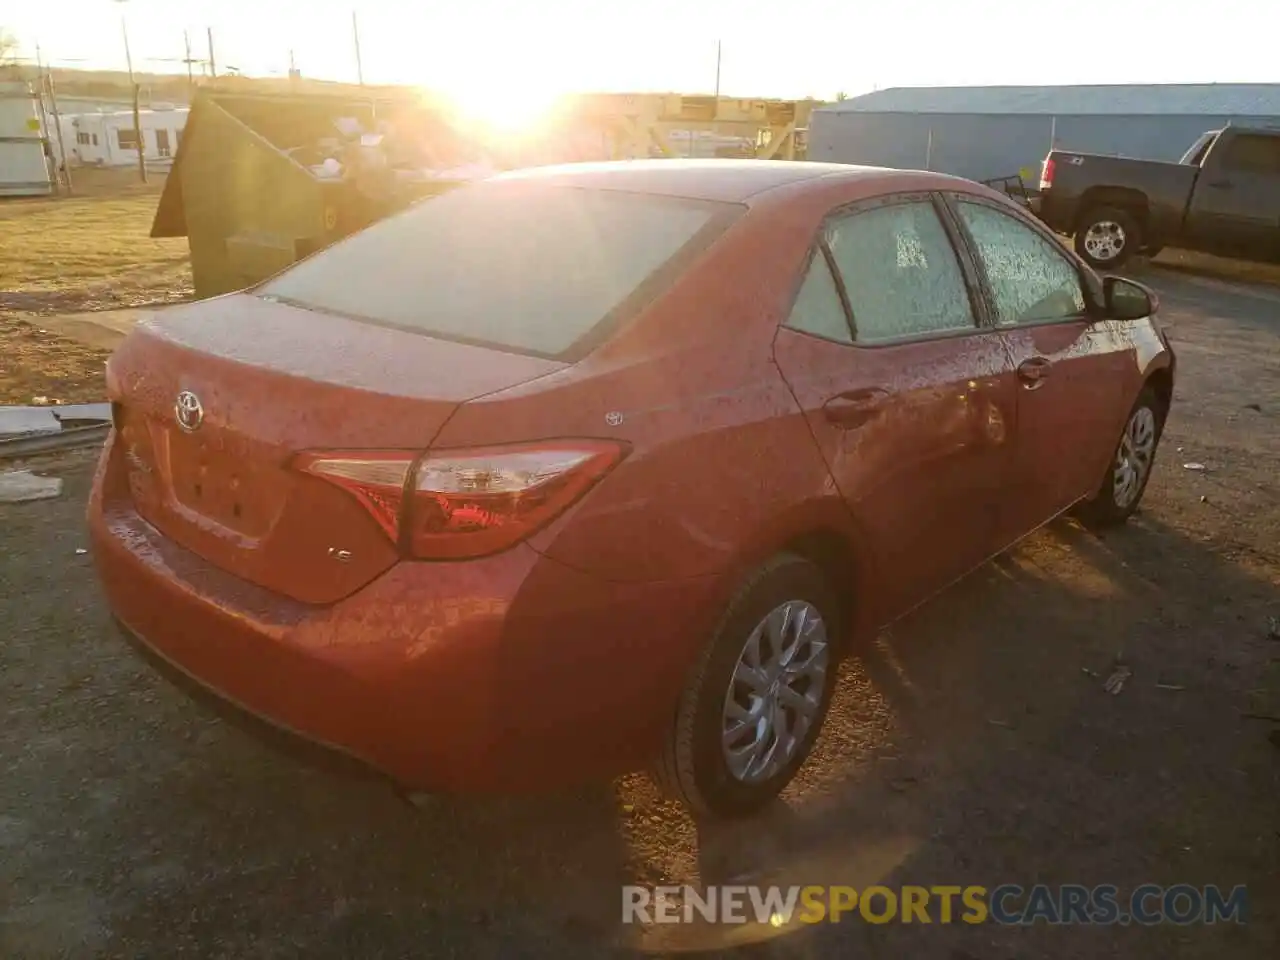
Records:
x=311, y=752
x=508, y=673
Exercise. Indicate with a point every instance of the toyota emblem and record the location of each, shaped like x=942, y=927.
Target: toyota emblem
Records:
x=188, y=411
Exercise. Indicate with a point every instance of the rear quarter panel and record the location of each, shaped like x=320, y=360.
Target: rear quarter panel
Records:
x=720, y=460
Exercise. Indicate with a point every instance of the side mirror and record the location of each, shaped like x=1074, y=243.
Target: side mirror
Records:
x=1128, y=300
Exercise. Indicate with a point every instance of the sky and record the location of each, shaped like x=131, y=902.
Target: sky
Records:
x=481, y=49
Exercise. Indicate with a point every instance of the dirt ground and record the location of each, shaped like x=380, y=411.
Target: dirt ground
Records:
x=90, y=251
x=974, y=743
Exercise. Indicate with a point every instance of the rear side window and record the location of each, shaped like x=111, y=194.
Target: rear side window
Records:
x=818, y=309
x=1253, y=154
x=900, y=272
x=529, y=267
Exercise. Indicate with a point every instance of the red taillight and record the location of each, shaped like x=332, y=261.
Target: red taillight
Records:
x=466, y=503
x=376, y=478
x=1046, y=174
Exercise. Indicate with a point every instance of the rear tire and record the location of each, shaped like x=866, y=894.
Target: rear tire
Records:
x=745, y=724
x=1107, y=237
x=1125, y=483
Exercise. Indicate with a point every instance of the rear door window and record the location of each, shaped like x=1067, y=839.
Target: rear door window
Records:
x=900, y=272
x=818, y=309
x=528, y=267
x=1248, y=153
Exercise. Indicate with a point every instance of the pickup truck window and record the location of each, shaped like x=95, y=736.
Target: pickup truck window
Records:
x=1031, y=280
x=900, y=272
x=1248, y=153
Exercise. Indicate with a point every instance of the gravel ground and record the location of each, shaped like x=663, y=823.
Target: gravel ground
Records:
x=973, y=744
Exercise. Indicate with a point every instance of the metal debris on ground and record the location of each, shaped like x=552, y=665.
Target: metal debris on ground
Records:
x=1170, y=686
x=26, y=431
x=15, y=421
x=38, y=418
x=83, y=411
x=1193, y=466
x=21, y=486
x=1115, y=683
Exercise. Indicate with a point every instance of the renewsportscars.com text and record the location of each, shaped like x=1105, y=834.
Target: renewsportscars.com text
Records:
x=1007, y=904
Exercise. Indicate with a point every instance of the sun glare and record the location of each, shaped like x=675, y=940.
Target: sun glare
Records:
x=505, y=110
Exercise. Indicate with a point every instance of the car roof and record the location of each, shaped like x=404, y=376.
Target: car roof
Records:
x=731, y=181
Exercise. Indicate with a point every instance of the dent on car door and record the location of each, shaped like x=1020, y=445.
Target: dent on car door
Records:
x=908, y=397
x=1071, y=366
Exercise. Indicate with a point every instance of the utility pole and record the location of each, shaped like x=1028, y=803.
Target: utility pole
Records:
x=191, y=80
x=213, y=64
x=355, y=36
x=46, y=141
x=57, y=123
x=139, y=143
x=716, y=114
x=718, y=51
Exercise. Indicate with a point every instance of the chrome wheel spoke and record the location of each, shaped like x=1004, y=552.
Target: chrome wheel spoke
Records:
x=1104, y=240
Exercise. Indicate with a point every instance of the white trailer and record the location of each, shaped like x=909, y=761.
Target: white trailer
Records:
x=108, y=139
x=24, y=148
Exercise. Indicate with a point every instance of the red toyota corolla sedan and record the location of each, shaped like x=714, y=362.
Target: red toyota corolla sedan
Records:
x=595, y=468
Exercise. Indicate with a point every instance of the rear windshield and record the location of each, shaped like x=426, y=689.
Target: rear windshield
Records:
x=528, y=267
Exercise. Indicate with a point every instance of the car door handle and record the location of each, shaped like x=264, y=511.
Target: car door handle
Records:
x=855, y=407
x=1033, y=372
x=1222, y=184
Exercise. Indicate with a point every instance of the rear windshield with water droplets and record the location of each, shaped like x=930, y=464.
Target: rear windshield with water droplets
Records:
x=527, y=267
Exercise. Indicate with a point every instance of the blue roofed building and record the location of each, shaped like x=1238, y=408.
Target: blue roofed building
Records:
x=988, y=132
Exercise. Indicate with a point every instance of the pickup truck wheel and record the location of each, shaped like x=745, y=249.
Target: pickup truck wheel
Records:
x=1107, y=237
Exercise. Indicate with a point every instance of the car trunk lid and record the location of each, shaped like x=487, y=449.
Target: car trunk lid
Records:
x=213, y=400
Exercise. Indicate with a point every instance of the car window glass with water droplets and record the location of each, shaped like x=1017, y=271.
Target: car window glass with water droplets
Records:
x=817, y=309
x=900, y=272
x=1031, y=280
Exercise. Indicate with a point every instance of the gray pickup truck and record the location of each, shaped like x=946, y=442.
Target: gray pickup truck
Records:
x=1222, y=197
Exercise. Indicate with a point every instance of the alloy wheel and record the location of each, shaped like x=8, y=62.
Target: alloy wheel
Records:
x=775, y=695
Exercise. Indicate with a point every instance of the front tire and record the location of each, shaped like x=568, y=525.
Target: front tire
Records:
x=1122, y=489
x=757, y=697
x=1107, y=237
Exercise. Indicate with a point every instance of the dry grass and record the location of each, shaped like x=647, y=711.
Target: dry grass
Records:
x=90, y=251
